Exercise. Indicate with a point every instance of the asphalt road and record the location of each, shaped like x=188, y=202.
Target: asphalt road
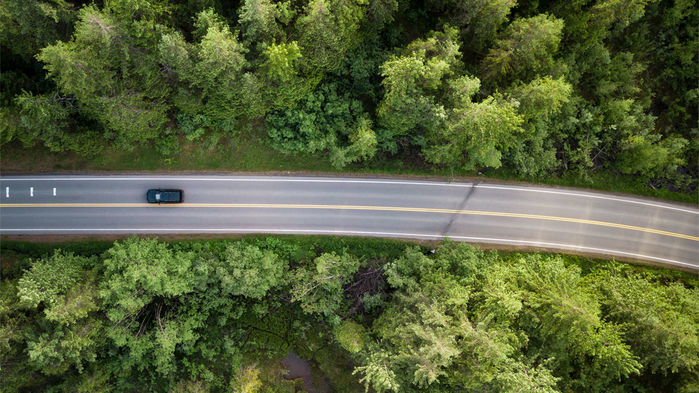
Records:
x=562, y=219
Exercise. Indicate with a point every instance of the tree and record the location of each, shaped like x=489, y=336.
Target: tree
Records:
x=525, y=50
x=649, y=156
x=620, y=12
x=248, y=271
x=281, y=74
x=212, y=76
x=281, y=61
x=425, y=329
x=381, y=12
x=141, y=289
x=659, y=320
x=327, y=30
x=429, y=338
x=475, y=134
x=258, y=21
x=57, y=123
x=479, y=20
x=412, y=81
x=247, y=380
x=69, y=335
x=542, y=97
x=376, y=373
x=110, y=68
x=319, y=288
x=350, y=335
x=534, y=152
x=362, y=145
x=588, y=352
x=324, y=120
x=28, y=26
x=218, y=67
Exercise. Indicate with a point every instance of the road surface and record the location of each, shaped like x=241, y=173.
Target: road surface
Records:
x=560, y=219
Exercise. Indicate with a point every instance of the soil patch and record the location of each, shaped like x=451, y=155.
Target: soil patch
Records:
x=299, y=368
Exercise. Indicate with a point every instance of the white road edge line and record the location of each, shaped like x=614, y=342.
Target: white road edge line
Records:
x=360, y=181
x=585, y=196
x=389, y=234
x=231, y=179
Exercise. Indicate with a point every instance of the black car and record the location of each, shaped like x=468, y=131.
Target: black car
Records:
x=164, y=196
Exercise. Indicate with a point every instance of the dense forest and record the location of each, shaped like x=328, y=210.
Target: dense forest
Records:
x=386, y=316
x=537, y=88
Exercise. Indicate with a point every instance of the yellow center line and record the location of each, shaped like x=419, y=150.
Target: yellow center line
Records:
x=367, y=208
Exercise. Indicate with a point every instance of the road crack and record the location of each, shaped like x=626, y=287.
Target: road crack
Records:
x=454, y=216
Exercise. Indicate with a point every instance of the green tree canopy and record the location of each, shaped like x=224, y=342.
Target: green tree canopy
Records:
x=319, y=287
x=109, y=67
x=525, y=50
x=476, y=133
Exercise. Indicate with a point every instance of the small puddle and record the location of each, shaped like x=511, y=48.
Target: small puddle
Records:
x=299, y=368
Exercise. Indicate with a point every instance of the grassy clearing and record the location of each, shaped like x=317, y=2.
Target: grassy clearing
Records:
x=249, y=153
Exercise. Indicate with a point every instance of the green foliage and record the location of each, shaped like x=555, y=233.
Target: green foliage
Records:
x=362, y=145
x=606, y=89
x=194, y=126
x=327, y=30
x=376, y=374
x=68, y=336
x=659, y=320
x=319, y=287
x=479, y=20
x=249, y=271
x=213, y=70
x=412, y=81
x=649, y=156
x=48, y=280
x=526, y=49
x=55, y=121
x=542, y=97
x=28, y=26
x=145, y=276
x=325, y=120
x=350, y=335
x=247, y=380
x=281, y=73
x=215, y=315
x=593, y=354
x=533, y=153
x=258, y=21
x=281, y=60
x=476, y=134
x=137, y=271
x=104, y=68
x=469, y=319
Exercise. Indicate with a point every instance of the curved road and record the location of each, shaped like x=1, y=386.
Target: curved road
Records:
x=593, y=223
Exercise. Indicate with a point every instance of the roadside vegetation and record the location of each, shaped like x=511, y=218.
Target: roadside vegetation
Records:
x=598, y=93
x=384, y=315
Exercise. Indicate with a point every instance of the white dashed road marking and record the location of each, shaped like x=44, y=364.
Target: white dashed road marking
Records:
x=31, y=191
x=54, y=191
x=7, y=192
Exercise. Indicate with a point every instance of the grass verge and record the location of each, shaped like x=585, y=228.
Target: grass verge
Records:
x=249, y=153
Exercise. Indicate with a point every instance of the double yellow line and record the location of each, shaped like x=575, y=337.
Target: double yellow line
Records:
x=366, y=208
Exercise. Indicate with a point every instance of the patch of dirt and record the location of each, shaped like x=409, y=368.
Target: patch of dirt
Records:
x=298, y=368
